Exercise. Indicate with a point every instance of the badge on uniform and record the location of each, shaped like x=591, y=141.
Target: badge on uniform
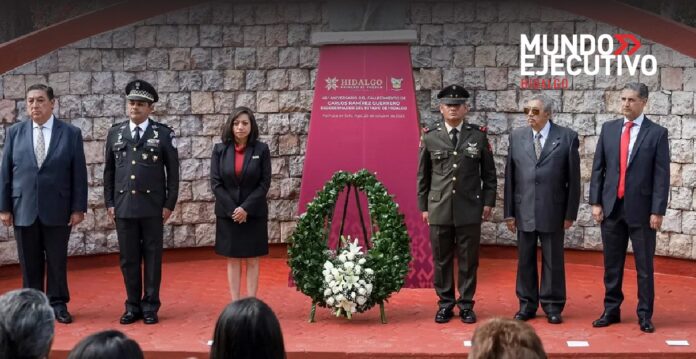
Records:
x=171, y=134
x=144, y=156
x=472, y=148
x=154, y=158
x=153, y=141
x=255, y=157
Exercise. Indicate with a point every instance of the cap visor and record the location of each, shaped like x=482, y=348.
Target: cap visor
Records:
x=452, y=101
x=138, y=98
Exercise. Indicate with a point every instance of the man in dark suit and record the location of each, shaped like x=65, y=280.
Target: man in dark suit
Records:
x=43, y=192
x=628, y=193
x=542, y=195
x=141, y=186
x=456, y=191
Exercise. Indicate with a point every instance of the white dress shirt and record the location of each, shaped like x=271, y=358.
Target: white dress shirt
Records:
x=47, y=128
x=449, y=129
x=544, y=133
x=143, y=127
x=634, y=131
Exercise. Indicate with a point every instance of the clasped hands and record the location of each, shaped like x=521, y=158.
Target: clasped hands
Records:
x=239, y=215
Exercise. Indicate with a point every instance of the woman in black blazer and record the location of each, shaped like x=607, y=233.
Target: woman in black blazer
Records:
x=240, y=174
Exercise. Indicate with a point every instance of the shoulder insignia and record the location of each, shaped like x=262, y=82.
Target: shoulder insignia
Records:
x=116, y=124
x=483, y=129
x=426, y=129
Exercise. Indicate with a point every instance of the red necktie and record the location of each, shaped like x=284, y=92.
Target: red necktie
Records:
x=623, y=159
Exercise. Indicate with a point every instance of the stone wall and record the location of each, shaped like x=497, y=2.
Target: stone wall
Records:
x=207, y=59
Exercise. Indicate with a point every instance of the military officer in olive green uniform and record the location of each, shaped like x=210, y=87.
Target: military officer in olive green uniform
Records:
x=141, y=185
x=456, y=191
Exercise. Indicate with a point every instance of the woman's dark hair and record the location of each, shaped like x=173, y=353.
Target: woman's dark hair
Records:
x=109, y=344
x=247, y=329
x=227, y=136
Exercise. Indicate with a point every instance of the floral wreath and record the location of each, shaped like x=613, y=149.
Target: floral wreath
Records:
x=388, y=256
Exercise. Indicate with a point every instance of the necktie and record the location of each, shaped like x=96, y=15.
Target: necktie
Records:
x=40, y=148
x=623, y=158
x=537, y=145
x=137, y=134
x=454, y=136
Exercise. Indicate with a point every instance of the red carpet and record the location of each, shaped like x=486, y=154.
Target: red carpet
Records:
x=194, y=292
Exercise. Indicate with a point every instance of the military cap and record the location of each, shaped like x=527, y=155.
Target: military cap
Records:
x=140, y=90
x=453, y=95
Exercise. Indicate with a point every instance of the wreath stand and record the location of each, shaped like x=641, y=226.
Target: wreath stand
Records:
x=388, y=250
x=350, y=186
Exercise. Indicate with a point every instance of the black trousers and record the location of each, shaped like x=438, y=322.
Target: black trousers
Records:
x=140, y=241
x=615, y=235
x=552, y=293
x=44, y=249
x=464, y=241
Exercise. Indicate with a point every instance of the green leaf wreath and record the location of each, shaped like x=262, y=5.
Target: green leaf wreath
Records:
x=389, y=255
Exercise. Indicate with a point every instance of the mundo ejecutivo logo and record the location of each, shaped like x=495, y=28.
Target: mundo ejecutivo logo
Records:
x=547, y=60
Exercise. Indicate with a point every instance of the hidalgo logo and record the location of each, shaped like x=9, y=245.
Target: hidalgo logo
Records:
x=562, y=55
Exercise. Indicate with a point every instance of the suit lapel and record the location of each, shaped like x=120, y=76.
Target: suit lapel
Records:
x=444, y=136
x=463, y=138
x=147, y=134
x=642, y=132
x=56, y=133
x=247, y=157
x=529, y=144
x=551, y=143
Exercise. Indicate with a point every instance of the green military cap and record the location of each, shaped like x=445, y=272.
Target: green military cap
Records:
x=453, y=95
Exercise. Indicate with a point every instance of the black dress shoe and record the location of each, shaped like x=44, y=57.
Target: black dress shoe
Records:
x=130, y=317
x=63, y=316
x=606, y=320
x=646, y=325
x=524, y=316
x=554, y=318
x=150, y=318
x=443, y=315
x=468, y=316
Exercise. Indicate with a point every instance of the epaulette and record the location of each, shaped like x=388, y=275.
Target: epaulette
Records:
x=163, y=125
x=118, y=123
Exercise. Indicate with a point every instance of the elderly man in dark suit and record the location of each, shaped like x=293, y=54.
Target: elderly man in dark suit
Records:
x=542, y=195
x=629, y=193
x=43, y=192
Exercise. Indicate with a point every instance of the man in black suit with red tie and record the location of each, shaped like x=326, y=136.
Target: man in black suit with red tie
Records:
x=628, y=193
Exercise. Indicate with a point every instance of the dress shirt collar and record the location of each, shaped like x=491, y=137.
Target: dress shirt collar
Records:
x=544, y=131
x=143, y=126
x=637, y=122
x=48, y=125
x=449, y=128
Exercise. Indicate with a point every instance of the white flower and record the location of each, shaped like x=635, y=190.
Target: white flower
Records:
x=368, y=287
x=361, y=300
x=350, y=256
x=340, y=297
x=348, y=265
x=334, y=272
x=362, y=291
x=328, y=265
x=352, y=295
x=369, y=271
x=362, y=261
x=330, y=301
x=342, y=258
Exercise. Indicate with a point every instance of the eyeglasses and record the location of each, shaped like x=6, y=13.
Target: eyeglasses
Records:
x=534, y=111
